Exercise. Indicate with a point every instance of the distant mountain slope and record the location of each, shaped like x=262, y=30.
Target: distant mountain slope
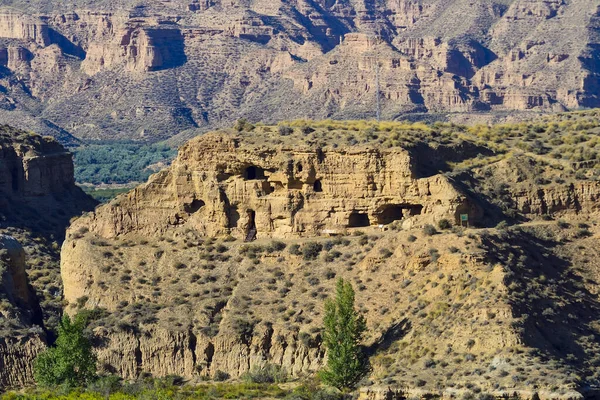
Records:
x=149, y=70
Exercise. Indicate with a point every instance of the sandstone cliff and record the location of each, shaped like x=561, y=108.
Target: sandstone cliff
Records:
x=219, y=185
x=202, y=64
x=18, y=345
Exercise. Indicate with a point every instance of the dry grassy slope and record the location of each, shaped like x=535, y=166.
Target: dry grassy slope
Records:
x=494, y=310
x=99, y=70
x=484, y=309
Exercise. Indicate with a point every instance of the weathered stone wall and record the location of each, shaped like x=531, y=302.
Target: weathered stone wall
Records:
x=218, y=185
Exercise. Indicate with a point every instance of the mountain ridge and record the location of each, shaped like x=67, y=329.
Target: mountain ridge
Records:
x=199, y=65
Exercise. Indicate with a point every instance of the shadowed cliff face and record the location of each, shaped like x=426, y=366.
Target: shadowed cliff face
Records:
x=38, y=197
x=37, y=187
x=104, y=69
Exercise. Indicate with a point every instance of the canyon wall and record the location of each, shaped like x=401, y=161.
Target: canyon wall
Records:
x=189, y=65
x=38, y=197
x=218, y=185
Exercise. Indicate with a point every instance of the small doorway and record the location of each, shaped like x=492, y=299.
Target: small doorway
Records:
x=318, y=186
x=358, y=220
x=252, y=173
x=251, y=227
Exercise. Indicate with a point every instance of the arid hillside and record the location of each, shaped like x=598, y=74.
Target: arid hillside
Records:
x=150, y=70
x=503, y=302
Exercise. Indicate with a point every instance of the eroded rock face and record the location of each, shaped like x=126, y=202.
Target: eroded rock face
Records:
x=202, y=64
x=17, y=355
x=18, y=348
x=218, y=186
x=38, y=197
x=138, y=49
x=15, y=25
x=37, y=172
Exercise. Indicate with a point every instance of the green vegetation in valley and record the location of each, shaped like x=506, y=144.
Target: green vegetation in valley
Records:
x=120, y=163
x=172, y=387
x=104, y=195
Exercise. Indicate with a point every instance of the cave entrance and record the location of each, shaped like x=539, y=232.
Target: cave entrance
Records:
x=194, y=206
x=253, y=172
x=396, y=212
x=251, y=227
x=14, y=176
x=318, y=186
x=358, y=220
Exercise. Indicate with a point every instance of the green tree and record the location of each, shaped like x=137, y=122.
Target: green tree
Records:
x=71, y=361
x=343, y=334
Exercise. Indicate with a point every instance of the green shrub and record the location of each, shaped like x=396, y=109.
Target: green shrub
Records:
x=562, y=224
x=313, y=392
x=502, y=225
x=444, y=224
x=311, y=250
x=106, y=385
x=276, y=246
x=295, y=250
x=268, y=373
x=429, y=230
x=71, y=362
x=285, y=130
x=220, y=376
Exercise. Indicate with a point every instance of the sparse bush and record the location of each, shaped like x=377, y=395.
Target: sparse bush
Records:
x=276, y=246
x=386, y=253
x=411, y=238
x=285, y=130
x=444, y=224
x=295, y=250
x=429, y=230
x=311, y=250
x=562, y=224
x=268, y=373
x=220, y=376
x=243, y=125
x=307, y=130
x=502, y=225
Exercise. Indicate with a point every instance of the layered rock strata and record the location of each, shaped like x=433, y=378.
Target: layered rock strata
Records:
x=219, y=186
x=203, y=64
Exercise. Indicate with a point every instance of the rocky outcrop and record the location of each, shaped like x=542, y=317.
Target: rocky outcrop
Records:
x=219, y=185
x=38, y=197
x=161, y=351
x=38, y=172
x=17, y=355
x=15, y=25
x=18, y=347
x=137, y=49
